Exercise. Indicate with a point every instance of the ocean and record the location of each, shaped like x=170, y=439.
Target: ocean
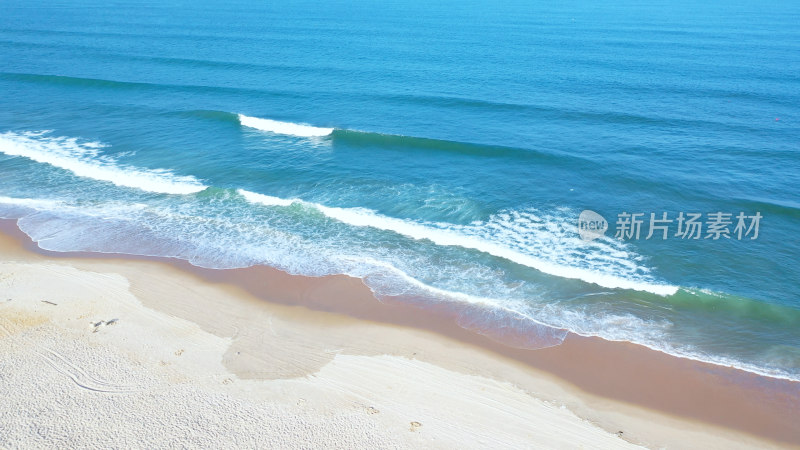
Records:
x=441, y=152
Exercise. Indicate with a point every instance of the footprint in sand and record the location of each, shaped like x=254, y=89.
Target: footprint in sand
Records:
x=97, y=325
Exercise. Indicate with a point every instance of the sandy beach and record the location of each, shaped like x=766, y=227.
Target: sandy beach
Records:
x=404, y=224
x=101, y=351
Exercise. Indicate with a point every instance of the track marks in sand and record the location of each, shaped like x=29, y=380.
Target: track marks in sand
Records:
x=62, y=365
x=11, y=325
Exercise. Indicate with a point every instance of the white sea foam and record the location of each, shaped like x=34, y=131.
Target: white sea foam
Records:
x=104, y=210
x=33, y=203
x=84, y=159
x=288, y=128
x=522, y=238
x=267, y=200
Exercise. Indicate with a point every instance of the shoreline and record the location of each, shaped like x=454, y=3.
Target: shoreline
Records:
x=655, y=398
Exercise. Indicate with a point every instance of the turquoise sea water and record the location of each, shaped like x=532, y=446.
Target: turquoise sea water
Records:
x=448, y=152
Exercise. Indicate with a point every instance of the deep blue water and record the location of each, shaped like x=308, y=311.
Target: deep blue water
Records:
x=454, y=147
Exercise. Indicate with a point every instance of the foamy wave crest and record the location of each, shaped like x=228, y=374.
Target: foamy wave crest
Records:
x=33, y=203
x=267, y=200
x=292, y=129
x=541, y=243
x=85, y=160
